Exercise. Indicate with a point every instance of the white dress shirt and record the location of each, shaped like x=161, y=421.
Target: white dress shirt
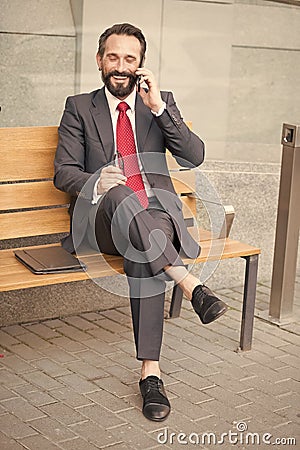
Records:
x=113, y=103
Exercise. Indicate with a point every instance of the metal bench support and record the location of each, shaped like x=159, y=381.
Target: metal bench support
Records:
x=176, y=301
x=248, y=302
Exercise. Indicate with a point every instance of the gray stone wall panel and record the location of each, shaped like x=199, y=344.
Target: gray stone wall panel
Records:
x=266, y=24
x=264, y=94
x=37, y=74
x=195, y=55
x=252, y=189
x=38, y=17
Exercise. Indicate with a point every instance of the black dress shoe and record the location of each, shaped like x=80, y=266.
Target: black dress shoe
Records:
x=207, y=305
x=156, y=405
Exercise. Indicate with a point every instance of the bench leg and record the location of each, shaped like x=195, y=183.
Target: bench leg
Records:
x=176, y=302
x=248, y=302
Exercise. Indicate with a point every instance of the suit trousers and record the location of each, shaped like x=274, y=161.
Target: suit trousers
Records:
x=148, y=242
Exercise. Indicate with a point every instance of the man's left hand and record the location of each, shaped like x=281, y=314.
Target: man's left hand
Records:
x=152, y=97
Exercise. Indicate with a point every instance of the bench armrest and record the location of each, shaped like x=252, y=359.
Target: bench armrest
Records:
x=225, y=216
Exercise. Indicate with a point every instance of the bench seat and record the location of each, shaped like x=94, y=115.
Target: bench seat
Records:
x=14, y=275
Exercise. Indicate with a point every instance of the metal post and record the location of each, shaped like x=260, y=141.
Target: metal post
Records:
x=287, y=229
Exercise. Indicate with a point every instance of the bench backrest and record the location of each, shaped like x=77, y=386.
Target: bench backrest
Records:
x=29, y=203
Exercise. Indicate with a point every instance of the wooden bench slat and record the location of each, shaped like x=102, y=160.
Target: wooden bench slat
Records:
x=189, y=207
x=27, y=153
x=34, y=223
x=49, y=221
x=44, y=193
x=14, y=275
x=31, y=195
x=40, y=143
x=8, y=262
x=97, y=265
x=171, y=161
x=184, y=181
x=21, y=279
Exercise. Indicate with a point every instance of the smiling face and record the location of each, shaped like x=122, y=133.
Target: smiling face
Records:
x=121, y=58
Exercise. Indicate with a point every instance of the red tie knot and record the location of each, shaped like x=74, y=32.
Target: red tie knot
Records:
x=123, y=106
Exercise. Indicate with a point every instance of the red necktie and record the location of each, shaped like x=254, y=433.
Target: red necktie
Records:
x=126, y=148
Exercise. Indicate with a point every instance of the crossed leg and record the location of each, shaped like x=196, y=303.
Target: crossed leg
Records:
x=147, y=239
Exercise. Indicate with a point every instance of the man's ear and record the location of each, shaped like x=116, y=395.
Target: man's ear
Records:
x=142, y=61
x=99, y=61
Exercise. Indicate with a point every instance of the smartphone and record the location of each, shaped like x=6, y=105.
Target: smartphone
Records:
x=118, y=161
x=138, y=83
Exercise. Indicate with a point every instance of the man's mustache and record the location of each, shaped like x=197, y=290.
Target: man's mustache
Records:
x=121, y=74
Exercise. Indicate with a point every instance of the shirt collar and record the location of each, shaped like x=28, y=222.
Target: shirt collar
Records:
x=114, y=101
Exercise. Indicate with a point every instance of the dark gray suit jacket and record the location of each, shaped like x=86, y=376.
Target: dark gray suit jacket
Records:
x=86, y=145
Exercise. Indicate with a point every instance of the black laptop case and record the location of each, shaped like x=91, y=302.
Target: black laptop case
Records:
x=49, y=260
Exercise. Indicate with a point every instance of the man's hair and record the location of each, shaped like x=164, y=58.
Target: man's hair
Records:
x=125, y=29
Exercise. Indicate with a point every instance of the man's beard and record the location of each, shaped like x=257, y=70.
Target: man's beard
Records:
x=119, y=90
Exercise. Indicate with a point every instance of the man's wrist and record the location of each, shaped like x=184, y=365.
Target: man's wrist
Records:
x=99, y=190
x=159, y=109
x=96, y=194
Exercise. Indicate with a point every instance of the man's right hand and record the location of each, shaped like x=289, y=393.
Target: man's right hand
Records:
x=110, y=176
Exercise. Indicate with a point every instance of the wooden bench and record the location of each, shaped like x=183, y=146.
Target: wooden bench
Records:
x=31, y=206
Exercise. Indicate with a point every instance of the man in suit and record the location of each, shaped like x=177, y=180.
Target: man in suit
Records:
x=111, y=159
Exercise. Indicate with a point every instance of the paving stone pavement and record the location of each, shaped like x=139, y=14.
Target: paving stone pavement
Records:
x=71, y=383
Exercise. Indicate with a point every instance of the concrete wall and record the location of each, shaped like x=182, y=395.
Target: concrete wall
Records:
x=234, y=68
x=189, y=47
x=101, y=14
x=37, y=47
x=264, y=78
x=252, y=188
x=233, y=74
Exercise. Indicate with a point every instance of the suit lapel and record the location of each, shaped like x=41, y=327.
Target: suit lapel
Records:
x=143, y=120
x=102, y=119
x=101, y=115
